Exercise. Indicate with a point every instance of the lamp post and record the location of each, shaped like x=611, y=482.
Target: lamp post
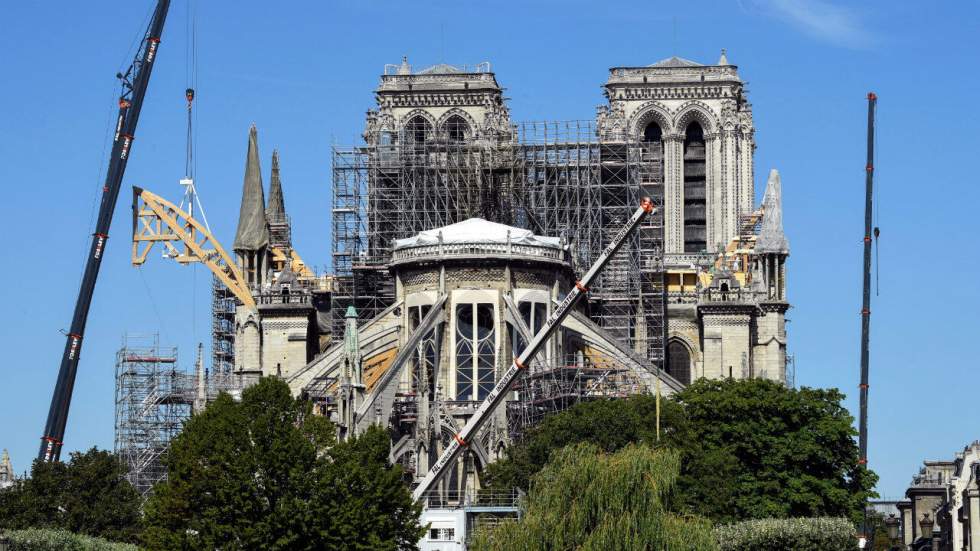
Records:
x=892, y=525
x=925, y=529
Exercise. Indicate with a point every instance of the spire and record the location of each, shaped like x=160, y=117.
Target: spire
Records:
x=252, y=232
x=276, y=210
x=771, y=237
x=723, y=60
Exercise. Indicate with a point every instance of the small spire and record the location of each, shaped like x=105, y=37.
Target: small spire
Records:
x=252, y=232
x=404, y=68
x=276, y=211
x=723, y=60
x=771, y=237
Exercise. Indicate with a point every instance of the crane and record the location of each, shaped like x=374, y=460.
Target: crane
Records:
x=496, y=396
x=134, y=83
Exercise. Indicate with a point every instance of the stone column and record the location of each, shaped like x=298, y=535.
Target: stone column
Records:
x=674, y=193
x=714, y=193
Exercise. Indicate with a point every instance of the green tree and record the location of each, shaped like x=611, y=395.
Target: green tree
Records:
x=264, y=473
x=588, y=500
x=749, y=449
x=87, y=495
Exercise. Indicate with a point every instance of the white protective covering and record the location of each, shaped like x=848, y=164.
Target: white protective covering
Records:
x=477, y=230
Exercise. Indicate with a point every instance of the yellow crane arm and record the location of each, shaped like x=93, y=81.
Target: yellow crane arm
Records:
x=157, y=220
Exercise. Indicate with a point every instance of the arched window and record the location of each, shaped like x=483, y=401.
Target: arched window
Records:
x=679, y=361
x=695, y=191
x=653, y=133
x=456, y=129
x=417, y=130
x=475, y=350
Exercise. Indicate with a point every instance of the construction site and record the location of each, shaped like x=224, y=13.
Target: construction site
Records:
x=455, y=234
x=485, y=273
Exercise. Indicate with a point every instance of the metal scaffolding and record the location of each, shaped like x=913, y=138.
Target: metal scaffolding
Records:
x=153, y=399
x=554, y=178
x=547, y=389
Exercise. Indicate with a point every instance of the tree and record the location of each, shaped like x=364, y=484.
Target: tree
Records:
x=87, y=495
x=264, y=473
x=749, y=449
x=588, y=500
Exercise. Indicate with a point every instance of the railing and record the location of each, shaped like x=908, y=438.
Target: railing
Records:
x=283, y=298
x=477, y=249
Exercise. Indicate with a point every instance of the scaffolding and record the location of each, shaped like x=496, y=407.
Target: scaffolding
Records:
x=153, y=399
x=554, y=178
x=551, y=388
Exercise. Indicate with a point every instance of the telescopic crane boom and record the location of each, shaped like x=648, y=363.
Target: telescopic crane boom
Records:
x=134, y=82
x=497, y=395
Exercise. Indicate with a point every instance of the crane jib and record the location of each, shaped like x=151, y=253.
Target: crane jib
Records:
x=130, y=103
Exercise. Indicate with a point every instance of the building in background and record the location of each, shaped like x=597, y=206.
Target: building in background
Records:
x=941, y=509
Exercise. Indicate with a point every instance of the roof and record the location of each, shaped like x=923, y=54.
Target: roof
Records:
x=675, y=61
x=478, y=230
x=252, y=233
x=440, y=69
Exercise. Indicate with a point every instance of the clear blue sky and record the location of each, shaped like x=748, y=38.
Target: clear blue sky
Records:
x=304, y=73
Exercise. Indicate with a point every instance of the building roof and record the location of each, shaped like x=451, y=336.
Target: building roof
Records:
x=771, y=237
x=675, y=61
x=440, y=69
x=478, y=230
x=252, y=233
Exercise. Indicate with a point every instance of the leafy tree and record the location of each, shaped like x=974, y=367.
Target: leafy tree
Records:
x=794, y=450
x=261, y=474
x=587, y=500
x=87, y=495
x=749, y=449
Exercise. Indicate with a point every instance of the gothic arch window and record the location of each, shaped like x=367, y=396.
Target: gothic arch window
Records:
x=417, y=130
x=679, y=361
x=456, y=129
x=475, y=350
x=695, y=190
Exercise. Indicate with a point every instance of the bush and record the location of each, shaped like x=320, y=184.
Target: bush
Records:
x=45, y=539
x=792, y=534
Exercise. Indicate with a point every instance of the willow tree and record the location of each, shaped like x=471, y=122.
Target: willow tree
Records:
x=585, y=499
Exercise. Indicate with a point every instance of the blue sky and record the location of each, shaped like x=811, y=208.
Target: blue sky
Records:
x=304, y=73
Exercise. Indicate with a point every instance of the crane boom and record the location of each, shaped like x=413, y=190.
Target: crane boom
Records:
x=134, y=84
x=498, y=393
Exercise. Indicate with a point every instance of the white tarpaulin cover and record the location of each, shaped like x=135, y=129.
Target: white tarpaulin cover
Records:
x=477, y=230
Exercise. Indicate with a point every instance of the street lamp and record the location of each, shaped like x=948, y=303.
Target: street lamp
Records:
x=925, y=526
x=892, y=527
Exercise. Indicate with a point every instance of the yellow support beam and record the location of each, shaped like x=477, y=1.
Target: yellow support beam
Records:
x=156, y=220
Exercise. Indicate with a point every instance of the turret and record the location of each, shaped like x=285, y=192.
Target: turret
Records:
x=275, y=212
x=771, y=245
x=252, y=236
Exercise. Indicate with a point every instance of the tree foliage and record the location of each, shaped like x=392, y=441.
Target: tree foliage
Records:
x=588, y=500
x=87, y=495
x=749, y=449
x=264, y=473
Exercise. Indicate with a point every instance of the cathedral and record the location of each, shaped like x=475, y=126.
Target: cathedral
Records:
x=456, y=231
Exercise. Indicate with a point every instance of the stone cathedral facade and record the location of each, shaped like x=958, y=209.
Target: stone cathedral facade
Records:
x=443, y=287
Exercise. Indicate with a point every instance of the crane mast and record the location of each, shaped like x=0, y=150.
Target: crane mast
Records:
x=134, y=83
x=499, y=391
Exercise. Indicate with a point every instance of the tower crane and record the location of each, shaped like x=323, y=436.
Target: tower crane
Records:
x=462, y=439
x=134, y=83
